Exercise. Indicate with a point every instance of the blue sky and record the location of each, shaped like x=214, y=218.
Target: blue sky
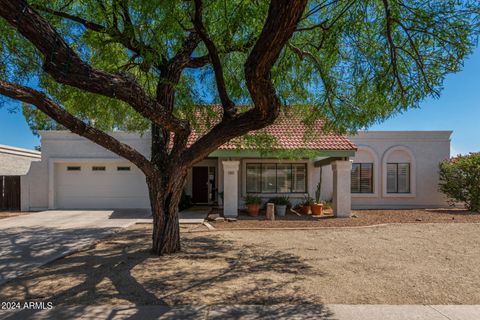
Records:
x=457, y=109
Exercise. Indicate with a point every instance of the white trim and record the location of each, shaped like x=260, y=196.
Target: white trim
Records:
x=20, y=152
x=413, y=172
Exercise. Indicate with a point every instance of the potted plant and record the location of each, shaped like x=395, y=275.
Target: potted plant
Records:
x=281, y=204
x=307, y=205
x=317, y=207
x=253, y=203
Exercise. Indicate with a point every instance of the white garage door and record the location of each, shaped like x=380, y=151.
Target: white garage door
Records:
x=99, y=186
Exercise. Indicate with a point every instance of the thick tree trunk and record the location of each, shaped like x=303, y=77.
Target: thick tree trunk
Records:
x=165, y=193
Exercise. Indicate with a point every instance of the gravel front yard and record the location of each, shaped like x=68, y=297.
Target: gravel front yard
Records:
x=398, y=264
x=359, y=218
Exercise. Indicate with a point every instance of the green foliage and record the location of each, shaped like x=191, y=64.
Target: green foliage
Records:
x=340, y=61
x=460, y=180
x=308, y=201
x=253, y=199
x=185, y=201
x=280, y=201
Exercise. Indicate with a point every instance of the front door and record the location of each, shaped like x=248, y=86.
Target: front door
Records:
x=200, y=184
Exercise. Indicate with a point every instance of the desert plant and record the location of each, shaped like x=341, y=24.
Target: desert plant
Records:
x=185, y=201
x=280, y=201
x=327, y=204
x=253, y=199
x=308, y=201
x=460, y=180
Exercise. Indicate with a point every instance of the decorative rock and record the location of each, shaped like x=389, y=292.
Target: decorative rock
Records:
x=231, y=219
x=219, y=219
x=354, y=216
x=213, y=216
x=418, y=219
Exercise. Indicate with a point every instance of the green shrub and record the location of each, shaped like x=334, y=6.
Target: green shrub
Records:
x=252, y=199
x=280, y=201
x=308, y=201
x=460, y=180
x=185, y=202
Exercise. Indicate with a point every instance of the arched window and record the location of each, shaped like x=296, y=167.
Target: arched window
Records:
x=398, y=172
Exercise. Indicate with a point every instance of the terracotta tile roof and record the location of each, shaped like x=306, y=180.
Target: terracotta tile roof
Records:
x=290, y=133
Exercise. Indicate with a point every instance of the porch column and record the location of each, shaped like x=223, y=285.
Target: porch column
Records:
x=342, y=199
x=230, y=188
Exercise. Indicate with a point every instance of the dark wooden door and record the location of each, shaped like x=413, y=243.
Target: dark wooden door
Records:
x=200, y=184
x=9, y=193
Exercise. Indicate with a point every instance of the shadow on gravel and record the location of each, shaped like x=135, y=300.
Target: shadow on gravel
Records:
x=211, y=276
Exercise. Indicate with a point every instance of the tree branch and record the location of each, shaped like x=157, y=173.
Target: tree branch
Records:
x=129, y=40
x=201, y=61
x=66, y=67
x=60, y=115
x=87, y=24
x=282, y=20
x=391, y=45
x=198, y=62
x=228, y=105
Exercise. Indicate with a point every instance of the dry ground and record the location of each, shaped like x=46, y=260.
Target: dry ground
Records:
x=360, y=218
x=8, y=214
x=397, y=264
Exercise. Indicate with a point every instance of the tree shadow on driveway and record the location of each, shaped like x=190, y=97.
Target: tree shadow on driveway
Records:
x=24, y=248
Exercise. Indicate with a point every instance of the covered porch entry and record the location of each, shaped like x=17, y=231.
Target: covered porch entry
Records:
x=235, y=178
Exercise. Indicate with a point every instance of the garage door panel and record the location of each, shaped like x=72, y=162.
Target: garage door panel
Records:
x=109, y=189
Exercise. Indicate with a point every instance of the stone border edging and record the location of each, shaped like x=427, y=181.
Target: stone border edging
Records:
x=346, y=227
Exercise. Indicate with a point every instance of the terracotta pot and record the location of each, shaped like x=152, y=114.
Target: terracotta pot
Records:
x=306, y=210
x=317, y=209
x=253, y=209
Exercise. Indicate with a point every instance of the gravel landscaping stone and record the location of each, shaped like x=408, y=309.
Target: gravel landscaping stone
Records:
x=424, y=263
x=359, y=218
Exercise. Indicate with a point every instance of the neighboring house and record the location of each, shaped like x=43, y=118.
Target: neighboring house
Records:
x=368, y=170
x=14, y=163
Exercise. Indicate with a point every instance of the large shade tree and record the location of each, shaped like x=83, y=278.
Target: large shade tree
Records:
x=95, y=66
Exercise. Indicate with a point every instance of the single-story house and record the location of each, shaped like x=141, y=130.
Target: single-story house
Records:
x=14, y=163
x=380, y=169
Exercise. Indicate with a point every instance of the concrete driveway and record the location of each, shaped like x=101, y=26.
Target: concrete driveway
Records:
x=28, y=241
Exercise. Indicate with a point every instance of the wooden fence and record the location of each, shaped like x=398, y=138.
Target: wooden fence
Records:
x=9, y=193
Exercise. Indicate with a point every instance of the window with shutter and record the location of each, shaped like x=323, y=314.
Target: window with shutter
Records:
x=398, y=178
x=403, y=177
x=362, y=178
x=355, y=181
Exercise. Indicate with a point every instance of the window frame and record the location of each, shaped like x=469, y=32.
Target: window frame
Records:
x=124, y=168
x=372, y=182
x=409, y=165
x=262, y=164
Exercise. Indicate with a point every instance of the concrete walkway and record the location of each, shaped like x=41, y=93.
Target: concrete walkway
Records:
x=194, y=215
x=35, y=239
x=325, y=312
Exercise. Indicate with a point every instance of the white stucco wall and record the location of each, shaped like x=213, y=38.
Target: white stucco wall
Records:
x=65, y=147
x=426, y=149
x=423, y=149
